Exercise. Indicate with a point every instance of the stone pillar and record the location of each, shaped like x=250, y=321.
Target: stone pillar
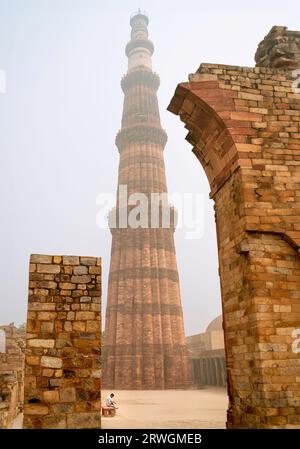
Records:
x=202, y=373
x=224, y=377
x=62, y=364
x=211, y=371
x=218, y=371
x=206, y=370
x=193, y=370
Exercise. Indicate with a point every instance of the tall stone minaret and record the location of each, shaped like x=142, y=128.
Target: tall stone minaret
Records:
x=144, y=334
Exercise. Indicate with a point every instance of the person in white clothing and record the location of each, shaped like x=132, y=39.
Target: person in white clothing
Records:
x=110, y=402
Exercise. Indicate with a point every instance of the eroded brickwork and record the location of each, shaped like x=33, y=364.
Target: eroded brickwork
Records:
x=280, y=48
x=11, y=374
x=244, y=125
x=62, y=366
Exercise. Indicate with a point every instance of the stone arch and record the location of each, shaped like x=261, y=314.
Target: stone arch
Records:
x=237, y=133
x=208, y=134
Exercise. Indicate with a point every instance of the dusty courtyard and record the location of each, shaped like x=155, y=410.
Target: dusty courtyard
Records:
x=168, y=409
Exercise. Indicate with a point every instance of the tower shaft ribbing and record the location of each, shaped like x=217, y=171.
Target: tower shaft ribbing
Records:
x=144, y=334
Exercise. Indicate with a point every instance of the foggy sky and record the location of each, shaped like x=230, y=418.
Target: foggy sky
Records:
x=58, y=119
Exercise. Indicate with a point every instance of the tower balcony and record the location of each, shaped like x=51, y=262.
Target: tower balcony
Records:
x=142, y=134
x=140, y=76
x=139, y=43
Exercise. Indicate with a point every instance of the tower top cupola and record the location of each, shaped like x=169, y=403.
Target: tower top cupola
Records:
x=139, y=49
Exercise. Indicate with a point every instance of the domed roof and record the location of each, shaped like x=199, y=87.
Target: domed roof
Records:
x=215, y=325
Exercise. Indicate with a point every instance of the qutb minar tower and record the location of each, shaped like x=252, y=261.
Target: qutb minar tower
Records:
x=144, y=334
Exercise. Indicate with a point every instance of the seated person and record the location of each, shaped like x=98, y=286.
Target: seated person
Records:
x=110, y=402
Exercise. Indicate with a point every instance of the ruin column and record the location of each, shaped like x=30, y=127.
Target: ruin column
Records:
x=63, y=341
x=243, y=124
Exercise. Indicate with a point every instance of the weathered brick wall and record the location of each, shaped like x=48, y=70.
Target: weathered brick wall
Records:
x=244, y=125
x=62, y=366
x=280, y=48
x=11, y=375
x=8, y=399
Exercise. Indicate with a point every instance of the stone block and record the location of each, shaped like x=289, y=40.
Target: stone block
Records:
x=67, y=395
x=40, y=258
x=80, y=270
x=33, y=360
x=84, y=299
x=92, y=326
x=91, y=420
x=66, y=286
x=55, y=422
x=95, y=270
x=50, y=269
x=47, y=372
x=51, y=362
x=47, y=326
x=36, y=409
x=70, y=260
x=89, y=261
x=83, y=279
x=79, y=326
x=40, y=343
x=51, y=396
x=82, y=316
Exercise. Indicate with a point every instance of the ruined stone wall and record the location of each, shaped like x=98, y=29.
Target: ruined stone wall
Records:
x=244, y=125
x=280, y=48
x=62, y=366
x=11, y=375
x=9, y=406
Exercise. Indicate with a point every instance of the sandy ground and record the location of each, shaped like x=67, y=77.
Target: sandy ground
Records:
x=192, y=409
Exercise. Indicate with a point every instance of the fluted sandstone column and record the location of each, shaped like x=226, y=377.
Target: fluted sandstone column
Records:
x=144, y=334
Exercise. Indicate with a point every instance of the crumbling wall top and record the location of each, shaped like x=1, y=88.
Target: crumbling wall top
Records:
x=279, y=49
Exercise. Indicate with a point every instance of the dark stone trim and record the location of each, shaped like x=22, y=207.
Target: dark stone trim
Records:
x=138, y=308
x=140, y=77
x=143, y=273
x=147, y=134
x=168, y=351
x=144, y=43
x=146, y=186
x=131, y=161
x=160, y=244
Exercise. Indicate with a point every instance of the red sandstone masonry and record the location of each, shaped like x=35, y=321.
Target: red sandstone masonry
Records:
x=145, y=344
x=244, y=125
x=62, y=366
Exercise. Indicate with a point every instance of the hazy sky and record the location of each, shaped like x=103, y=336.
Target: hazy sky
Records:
x=58, y=119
